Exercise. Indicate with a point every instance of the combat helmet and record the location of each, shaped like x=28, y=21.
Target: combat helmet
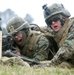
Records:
x=16, y=24
x=55, y=9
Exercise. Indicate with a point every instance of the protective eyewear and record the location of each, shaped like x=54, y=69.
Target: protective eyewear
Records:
x=55, y=19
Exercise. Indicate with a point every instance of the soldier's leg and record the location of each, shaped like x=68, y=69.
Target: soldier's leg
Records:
x=66, y=65
x=14, y=61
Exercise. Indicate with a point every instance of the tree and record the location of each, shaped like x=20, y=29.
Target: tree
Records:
x=29, y=18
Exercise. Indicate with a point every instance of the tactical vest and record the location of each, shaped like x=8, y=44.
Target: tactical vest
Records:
x=31, y=41
x=47, y=31
x=61, y=36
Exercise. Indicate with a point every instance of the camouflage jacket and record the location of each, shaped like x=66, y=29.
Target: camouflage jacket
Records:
x=66, y=49
x=36, y=46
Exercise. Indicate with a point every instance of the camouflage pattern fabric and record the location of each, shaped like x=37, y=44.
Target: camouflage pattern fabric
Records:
x=41, y=49
x=13, y=61
x=38, y=50
x=66, y=65
x=66, y=51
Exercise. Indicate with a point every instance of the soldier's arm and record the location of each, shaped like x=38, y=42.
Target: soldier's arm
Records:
x=67, y=50
x=41, y=49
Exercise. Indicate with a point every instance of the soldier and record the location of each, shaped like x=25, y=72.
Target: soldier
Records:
x=57, y=18
x=32, y=44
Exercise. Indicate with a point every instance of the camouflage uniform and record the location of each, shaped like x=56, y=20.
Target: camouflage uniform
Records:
x=66, y=48
x=36, y=45
x=64, y=38
x=12, y=61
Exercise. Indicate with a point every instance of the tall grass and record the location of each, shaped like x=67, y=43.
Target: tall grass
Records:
x=18, y=70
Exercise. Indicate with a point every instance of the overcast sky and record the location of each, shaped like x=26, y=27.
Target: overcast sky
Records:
x=33, y=7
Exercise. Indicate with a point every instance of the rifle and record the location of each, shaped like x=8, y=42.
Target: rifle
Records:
x=7, y=43
x=9, y=53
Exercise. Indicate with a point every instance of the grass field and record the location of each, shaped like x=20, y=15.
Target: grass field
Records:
x=18, y=70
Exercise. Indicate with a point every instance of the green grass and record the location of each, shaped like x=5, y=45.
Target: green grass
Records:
x=18, y=70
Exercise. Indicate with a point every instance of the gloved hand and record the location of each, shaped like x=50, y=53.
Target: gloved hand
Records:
x=16, y=52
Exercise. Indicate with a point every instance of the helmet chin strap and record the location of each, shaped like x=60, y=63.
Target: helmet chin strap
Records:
x=24, y=37
x=62, y=22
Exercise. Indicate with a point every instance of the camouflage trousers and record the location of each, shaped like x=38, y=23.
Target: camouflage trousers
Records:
x=13, y=61
x=66, y=65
